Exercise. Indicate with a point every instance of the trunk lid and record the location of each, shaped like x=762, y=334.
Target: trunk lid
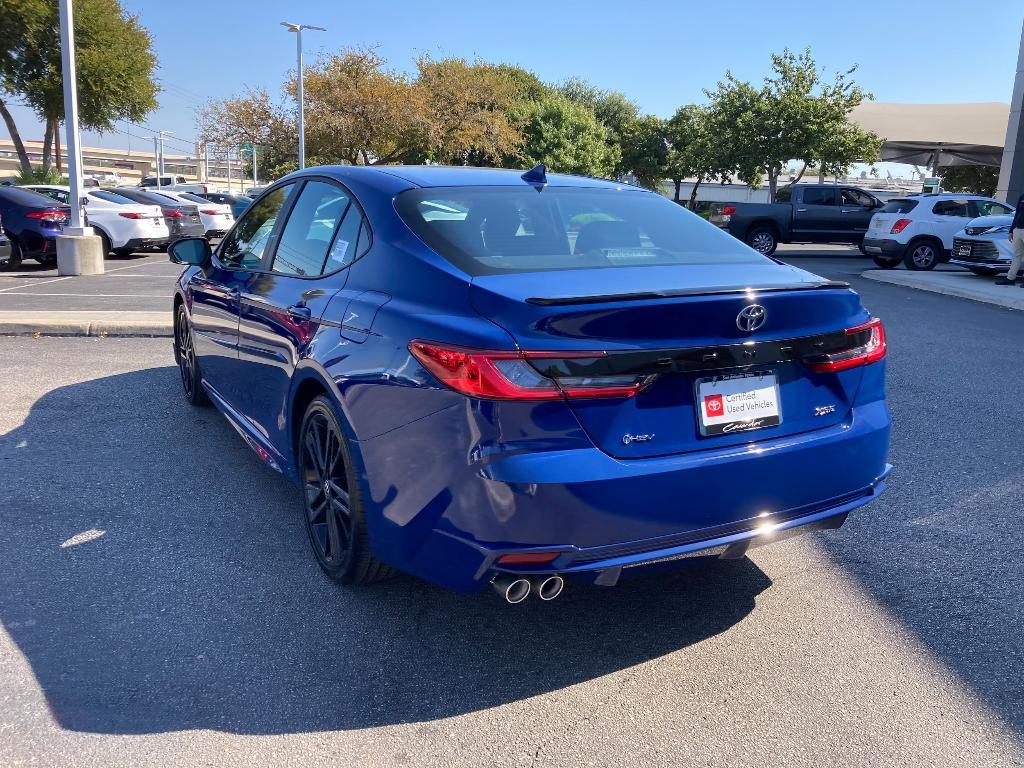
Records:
x=680, y=323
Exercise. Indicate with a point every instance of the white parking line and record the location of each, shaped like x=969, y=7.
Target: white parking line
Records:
x=68, y=277
x=99, y=295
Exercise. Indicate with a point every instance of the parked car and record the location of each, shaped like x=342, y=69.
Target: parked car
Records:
x=182, y=218
x=801, y=213
x=32, y=223
x=254, y=192
x=123, y=225
x=216, y=218
x=984, y=246
x=478, y=376
x=238, y=203
x=174, y=184
x=918, y=229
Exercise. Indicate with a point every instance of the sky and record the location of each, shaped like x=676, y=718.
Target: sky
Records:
x=660, y=54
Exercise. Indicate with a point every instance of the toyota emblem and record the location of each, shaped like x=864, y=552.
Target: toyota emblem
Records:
x=751, y=318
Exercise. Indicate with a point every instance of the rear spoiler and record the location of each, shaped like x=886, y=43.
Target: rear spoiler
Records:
x=556, y=301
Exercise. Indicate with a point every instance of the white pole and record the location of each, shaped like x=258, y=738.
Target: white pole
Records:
x=156, y=159
x=74, y=149
x=255, y=182
x=229, y=170
x=302, y=127
x=160, y=162
x=206, y=164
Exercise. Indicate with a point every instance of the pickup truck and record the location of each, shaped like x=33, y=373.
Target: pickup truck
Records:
x=176, y=184
x=801, y=213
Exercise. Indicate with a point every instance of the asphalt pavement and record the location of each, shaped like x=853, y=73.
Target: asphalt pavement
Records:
x=159, y=605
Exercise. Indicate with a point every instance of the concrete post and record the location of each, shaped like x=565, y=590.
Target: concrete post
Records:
x=1011, y=171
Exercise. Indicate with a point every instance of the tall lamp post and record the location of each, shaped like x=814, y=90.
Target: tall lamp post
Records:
x=297, y=29
x=79, y=250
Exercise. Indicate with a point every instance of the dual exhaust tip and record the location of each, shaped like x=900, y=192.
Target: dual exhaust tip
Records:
x=515, y=589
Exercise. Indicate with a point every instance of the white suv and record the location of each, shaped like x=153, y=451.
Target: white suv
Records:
x=918, y=230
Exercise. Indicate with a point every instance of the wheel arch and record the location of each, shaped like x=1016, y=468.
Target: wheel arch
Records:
x=764, y=224
x=932, y=239
x=309, y=381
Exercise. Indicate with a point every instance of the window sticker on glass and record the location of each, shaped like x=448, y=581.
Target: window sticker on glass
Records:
x=338, y=251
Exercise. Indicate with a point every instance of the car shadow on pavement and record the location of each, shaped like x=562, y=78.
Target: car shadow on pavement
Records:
x=157, y=577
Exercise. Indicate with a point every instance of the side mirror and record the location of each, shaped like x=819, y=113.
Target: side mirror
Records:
x=190, y=250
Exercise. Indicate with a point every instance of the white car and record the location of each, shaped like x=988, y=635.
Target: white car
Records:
x=216, y=217
x=174, y=184
x=984, y=246
x=918, y=230
x=124, y=225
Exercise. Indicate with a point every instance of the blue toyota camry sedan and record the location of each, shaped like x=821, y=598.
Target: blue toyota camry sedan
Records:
x=483, y=376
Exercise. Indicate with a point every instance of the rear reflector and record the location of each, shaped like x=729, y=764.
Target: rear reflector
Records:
x=507, y=375
x=209, y=212
x=899, y=226
x=527, y=558
x=868, y=346
x=729, y=210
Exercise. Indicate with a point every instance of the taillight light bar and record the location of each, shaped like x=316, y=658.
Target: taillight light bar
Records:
x=507, y=374
x=210, y=212
x=870, y=346
x=170, y=213
x=130, y=215
x=899, y=226
x=47, y=215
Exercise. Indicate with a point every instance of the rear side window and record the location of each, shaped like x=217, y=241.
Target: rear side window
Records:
x=898, y=206
x=497, y=230
x=308, y=246
x=960, y=208
x=819, y=196
x=857, y=199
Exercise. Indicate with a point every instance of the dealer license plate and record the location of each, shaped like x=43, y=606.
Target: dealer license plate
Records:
x=964, y=249
x=727, y=404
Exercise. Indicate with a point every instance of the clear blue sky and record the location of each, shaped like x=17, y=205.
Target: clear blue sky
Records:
x=660, y=53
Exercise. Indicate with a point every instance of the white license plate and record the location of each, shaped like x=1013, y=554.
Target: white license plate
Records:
x=963, y=250
x=738, y=403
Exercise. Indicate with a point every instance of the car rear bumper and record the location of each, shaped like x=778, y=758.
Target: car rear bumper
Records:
x=144, y=242
x=5, y=250
x=449, y=520
x=880, y=247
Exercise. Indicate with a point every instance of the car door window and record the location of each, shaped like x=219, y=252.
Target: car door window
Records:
x=958, y=208
x=819, y=196
x=308, y=234
x=989, y=208
x=244, y=246
x=854, y=198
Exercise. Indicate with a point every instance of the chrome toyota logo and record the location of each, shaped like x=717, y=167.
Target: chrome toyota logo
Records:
x=751, y=318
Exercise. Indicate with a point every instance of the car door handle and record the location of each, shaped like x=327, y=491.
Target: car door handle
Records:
x=300, y=312
x=801, y=210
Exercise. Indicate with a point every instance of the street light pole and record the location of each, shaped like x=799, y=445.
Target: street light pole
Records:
x=79, y=250
x=297, y=29
x=67, y=59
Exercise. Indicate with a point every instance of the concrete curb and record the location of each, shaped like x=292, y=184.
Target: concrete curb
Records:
x=963, y=285
x=86, y=323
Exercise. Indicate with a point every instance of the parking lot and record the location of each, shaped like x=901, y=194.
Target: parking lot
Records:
x=159, y=604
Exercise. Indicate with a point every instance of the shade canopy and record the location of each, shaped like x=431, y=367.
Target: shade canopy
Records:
x=937, y=134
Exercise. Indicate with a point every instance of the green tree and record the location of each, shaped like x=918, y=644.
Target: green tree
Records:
x=619, y=117
x=252, y=118
x=695, y=150
x=979, y=179
x=794, y=115
x=115, y=65
x=568, y=138
x=645, y=150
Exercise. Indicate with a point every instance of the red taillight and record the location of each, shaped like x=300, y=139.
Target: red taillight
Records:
x=210, y=212
x=47, y=215
x=729, y=210
x=869, y=348
x=130, y=215
x=899, y=226
x=506, y=375
x=170, y=213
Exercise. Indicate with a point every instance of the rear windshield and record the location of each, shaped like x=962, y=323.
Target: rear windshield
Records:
x=194, y=198
x=500, y=230
x=112, y=197
x=898, y=206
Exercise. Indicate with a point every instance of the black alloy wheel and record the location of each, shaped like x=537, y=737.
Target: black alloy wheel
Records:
x=332, y=501
x=188, y=366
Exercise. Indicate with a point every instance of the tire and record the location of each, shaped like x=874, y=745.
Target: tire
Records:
x=105, y=243
x=886, y=262
x=188, y=366
x=860, y=247
x=332, y=499
x=48, y=261
x=921, y=256
x=764, y=240
x=16, y=258
x=124, y=252
x=984, y=271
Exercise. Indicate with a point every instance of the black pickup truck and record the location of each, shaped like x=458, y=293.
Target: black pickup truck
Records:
x=802, y=213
